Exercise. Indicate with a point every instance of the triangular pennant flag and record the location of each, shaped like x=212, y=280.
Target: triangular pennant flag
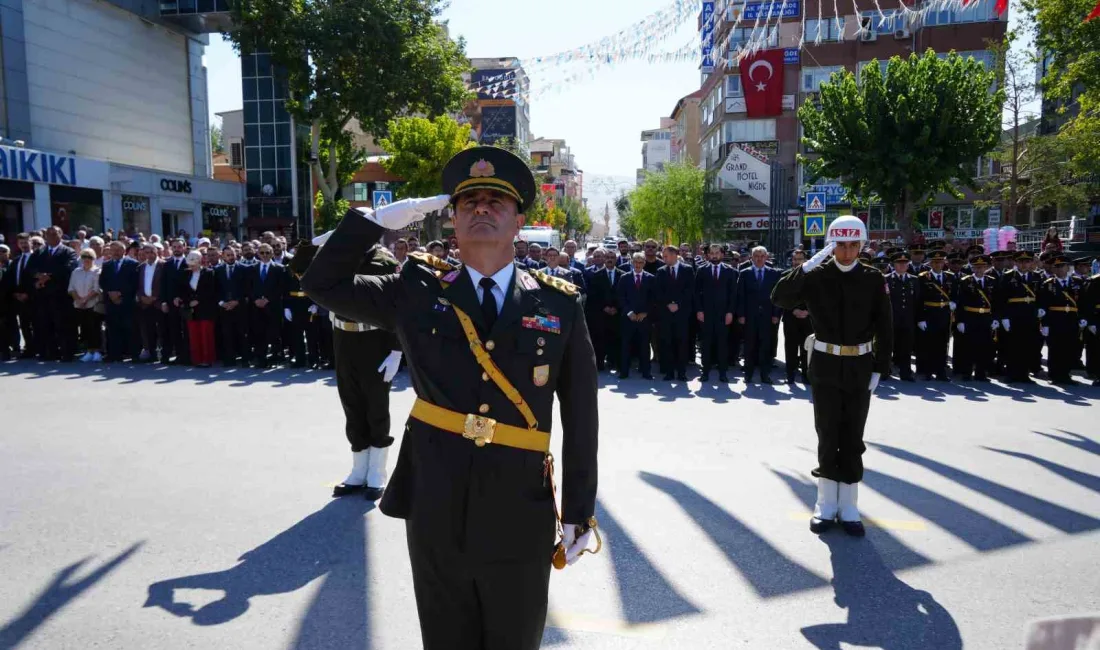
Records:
x=1095, y=12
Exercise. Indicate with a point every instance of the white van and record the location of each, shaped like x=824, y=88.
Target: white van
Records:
x=544, y=236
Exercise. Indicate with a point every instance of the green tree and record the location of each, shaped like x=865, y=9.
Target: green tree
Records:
x=349, y=159
x=367, y=61
x=418, y=150
x=670, y=201
x=577, y=220
x=1073, y=47
x=217, y=141
x=905, y=136
x=628, y=228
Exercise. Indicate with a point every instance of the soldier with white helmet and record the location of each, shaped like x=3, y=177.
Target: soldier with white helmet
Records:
x=849, y=304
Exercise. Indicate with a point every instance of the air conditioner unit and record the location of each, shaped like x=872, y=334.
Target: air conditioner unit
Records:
x=867, y=29
x=901, y=33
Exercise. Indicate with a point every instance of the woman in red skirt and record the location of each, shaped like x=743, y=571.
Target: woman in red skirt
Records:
x=198, y=301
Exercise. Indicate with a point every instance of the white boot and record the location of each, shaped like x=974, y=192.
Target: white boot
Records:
x=826, y=507
x=359, y=464
x=849, y=511
x=376, y=467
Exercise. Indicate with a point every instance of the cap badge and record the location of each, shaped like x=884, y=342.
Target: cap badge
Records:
x=482, y=169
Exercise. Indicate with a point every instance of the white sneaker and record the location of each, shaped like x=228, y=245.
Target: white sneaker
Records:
x=97, y=358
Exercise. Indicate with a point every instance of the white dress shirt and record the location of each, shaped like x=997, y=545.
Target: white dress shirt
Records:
x=147, y=274
x=195, y=280
x=503, y=279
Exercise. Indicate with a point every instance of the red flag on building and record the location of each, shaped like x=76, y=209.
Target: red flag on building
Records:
x=1095, y=13
x=762, y=82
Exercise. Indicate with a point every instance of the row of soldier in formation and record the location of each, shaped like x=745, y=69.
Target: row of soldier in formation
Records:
x=999, y=308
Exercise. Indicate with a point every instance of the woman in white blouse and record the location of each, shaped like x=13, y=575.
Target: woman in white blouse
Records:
x=84, y=288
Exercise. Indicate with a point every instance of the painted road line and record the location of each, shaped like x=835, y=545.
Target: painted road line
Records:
x=886, y=524
x=572, y=622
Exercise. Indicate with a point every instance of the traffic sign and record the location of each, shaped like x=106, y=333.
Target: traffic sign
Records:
x=381, y=197
x=815, y=202
x=813, y=226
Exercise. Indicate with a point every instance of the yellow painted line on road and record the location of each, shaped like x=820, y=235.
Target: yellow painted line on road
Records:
x=573, y=622
x=885, y=524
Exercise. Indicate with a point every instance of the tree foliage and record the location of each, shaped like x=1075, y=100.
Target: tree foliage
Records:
x=1074, y=49
x=628, y=228
x=577, y=219
x=368, y=61
x=905, y=136
x=669, y=202
x=418, y=150
x=349, y=159
x=217, y=140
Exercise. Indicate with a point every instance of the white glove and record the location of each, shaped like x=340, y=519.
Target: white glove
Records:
x=953, y=305
x=390, y=365
x=1092, y=328
x=1042, y=312
x=312, y=309
x=923, y=325
x=818, y=258
x=874, y=381
x=573, y=544
x=1083, y=323
x=286, y=314
x=1005, y=324
x=396, y=216
x=996, y=325
x=961, y=327
x=1045, y=331
x=320, y=240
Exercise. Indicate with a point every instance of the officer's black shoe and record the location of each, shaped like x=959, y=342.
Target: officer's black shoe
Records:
x=1096, y=383
x=343, y=489
x=982, y=378
x=373, y=493
x=647, y=377
x=818, y=526
x=853, y=528
x=705, y=377
x=724, y=379
x=908, y=378
x=964, y=377
x=667, y=377
x=624, y=375
x=682, y=377
x=790, y=380
x=943, y=378
x=928, y=378
x=764, y=379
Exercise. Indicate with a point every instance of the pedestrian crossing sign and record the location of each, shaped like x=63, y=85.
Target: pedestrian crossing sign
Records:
x=381, y=198
x=815, y=202
x=813, y=225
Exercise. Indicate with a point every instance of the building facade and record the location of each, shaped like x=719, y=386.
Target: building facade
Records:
x=833, y=42
x=685, y=134
x=502, y=108
x=104, y=121
x=656, y=148
x=552, y=158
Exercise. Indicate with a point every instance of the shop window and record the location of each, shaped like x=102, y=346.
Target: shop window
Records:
x=72, y=207
x=135, y=215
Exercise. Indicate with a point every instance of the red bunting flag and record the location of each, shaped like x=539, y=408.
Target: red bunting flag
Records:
x=1001, y=7
x=1095, y=12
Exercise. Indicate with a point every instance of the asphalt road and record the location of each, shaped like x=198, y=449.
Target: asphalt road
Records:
x=148, y=507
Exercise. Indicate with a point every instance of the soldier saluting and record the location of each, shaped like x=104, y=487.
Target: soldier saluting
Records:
x=488, y=346
x=850, y=352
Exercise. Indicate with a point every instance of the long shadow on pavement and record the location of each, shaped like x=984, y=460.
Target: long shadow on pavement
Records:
x=1075, y=440
x=330, y=543
x=769, y=572
x=883, y=611
x=1064, y=519
x=896, y=556
x=1084, y=479
x=59, y=593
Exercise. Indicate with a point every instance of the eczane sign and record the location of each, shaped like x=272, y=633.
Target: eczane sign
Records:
x=747, y=173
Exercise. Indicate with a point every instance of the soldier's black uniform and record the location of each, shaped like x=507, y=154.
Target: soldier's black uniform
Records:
x=848, y=309
x=1059, y=299
x=1017, y=301
x=1089, y=303
x=975, y=298
x=905, y=295
x=795, y=331
x=479, y=517
x=934, y=309
x=296, y=329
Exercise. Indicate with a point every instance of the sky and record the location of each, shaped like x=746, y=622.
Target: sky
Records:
x=601, y=118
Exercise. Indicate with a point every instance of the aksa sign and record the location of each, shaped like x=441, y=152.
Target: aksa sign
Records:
x=746, y=172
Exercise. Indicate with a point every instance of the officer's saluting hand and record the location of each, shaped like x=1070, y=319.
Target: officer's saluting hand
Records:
x=488, y=345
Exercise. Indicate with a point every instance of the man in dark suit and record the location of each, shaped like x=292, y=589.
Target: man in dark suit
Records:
x=231, y=282
x=20, y=281
x=7, y=315
x=265, y=295
x=118, y=281
x=715, y=295
x=557, y=265
x=675, y=287
x=637, y=298
x=51, y=267
x=150, y=320
x=757, y=313
x=796, y=327
x=603, y=296
x=175, y=334
x=570, y=249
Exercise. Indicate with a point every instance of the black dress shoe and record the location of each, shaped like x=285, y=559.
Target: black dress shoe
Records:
x=624, y=375
x=818, y=526
x=724, y=379
x=982, y=378
x=373, y=493
x=943, y=378
x=766, y=380
x=344, y=489
x=667, y=377
x=853, y=528
x=682, y=377
x=705, y=377
x=908, y=378
x=647, y=376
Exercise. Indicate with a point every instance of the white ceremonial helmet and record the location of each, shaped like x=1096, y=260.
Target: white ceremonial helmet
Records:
x=846, y=228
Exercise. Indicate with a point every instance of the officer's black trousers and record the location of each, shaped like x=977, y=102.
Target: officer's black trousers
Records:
x=978, y=344
x=674, y=343
x=839, y=417
x=714, y=338
x=175, y=338
x=265, y=332
x=468, y=605
x=295, y=332
x=1092, y=354
x=363, y=394
x=936, y=340
x=903, y=349
x=794, y=349
x=734, y=337
x=1062, y=350
x=1019, y=345
x=605, y=340
x=319, y=340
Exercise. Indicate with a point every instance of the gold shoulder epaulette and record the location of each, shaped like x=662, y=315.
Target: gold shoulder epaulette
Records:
x=1048, y=280
x=431, y=260
x=965, y=278
x=555, y=283
x=924, y=274
x=1095, y=277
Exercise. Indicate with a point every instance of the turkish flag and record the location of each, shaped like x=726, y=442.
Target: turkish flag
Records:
x=762, y=83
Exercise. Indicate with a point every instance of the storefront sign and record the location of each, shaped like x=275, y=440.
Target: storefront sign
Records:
x=790, y=9
x=706, y=36
x=791, y=55
x=135, y=203
x=175, y=185
x=219, y=218
x=746, y=172
x=761, y=223
x=834, y=194
x=28, y=165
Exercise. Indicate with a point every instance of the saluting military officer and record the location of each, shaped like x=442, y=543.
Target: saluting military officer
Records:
x=935, y=313
x=904, y=296
x=488, y=346
x=1016, y=307
x=851, y=348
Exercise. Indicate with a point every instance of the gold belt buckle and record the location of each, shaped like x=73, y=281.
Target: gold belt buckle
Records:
x=849, y=351
x=480, y=429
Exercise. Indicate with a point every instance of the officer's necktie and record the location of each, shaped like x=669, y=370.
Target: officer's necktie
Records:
x=488, y=302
